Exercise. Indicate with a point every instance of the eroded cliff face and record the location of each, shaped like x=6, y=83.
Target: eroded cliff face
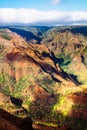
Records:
x=34, y=84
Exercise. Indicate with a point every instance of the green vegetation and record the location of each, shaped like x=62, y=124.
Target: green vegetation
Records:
x=9, y=86
x=60, y=104
x=6, y=84
x=5, y=34
x=2, y=47
x=2, y=51
x=46, y=124
x=66, y=61
x=84, y=50
x=20, y=85
x=47, y=84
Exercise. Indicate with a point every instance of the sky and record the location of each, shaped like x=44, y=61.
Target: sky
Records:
x=43, y=12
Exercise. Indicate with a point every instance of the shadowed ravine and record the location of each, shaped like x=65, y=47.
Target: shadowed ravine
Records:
x=11, y=122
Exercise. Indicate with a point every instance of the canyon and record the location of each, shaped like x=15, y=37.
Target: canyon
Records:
x=43, y=80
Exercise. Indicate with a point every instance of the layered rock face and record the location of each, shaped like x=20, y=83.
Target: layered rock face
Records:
x=37, y=83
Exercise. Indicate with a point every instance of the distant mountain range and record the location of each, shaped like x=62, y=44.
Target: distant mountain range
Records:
x=40, y=30
x=30, y=32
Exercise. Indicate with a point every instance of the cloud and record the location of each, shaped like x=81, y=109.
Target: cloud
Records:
x=56, y=1
x=33, y=16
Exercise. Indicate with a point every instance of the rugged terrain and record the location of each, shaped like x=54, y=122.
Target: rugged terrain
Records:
x=46, y=82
